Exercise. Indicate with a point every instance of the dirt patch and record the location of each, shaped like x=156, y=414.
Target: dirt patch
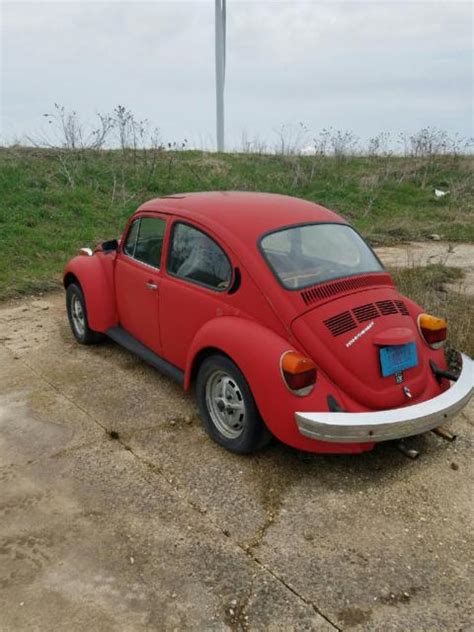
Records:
x=426, y=253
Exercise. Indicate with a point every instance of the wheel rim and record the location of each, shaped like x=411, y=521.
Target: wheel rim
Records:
x=78, y=316
x=225, y=404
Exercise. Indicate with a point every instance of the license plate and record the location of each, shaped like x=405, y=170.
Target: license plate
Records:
x=398, y=358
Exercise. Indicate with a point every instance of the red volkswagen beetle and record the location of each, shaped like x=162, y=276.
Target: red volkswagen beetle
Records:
x=279, y=314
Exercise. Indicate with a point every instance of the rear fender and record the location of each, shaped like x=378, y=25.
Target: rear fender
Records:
x=95, y=276
x=257, y=350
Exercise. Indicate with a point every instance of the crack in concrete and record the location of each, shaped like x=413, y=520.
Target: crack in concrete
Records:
x=245, y=548
x=260, y=533
x=271, y=495
x=156, y=469
x=234, y=614
x=295, y=592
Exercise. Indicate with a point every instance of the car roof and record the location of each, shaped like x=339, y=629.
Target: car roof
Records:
x=244, y=215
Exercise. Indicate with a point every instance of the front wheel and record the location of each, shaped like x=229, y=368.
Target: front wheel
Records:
x=77, y=315
x=228, y=408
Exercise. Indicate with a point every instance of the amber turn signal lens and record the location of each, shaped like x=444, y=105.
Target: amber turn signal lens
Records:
x=299, y=372
x=434, y=330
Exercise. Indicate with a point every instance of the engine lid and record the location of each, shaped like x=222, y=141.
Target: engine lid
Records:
x=346, y=338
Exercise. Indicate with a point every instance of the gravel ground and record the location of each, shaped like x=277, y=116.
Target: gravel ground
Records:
x=160, y=529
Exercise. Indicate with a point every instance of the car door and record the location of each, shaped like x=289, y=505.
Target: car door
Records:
x=137, y=279
x=198, y=275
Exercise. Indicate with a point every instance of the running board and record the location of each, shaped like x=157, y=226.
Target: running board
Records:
x=124, y=339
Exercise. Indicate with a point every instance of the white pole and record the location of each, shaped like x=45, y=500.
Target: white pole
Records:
x=220, y=71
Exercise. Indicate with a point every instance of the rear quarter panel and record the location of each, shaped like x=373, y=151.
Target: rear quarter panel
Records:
x=257, y=350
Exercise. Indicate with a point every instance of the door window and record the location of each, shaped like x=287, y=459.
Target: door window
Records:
x=196, y=257
x=145, y=240
x=129, y=247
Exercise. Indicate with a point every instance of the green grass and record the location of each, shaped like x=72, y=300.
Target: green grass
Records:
x=53, y=201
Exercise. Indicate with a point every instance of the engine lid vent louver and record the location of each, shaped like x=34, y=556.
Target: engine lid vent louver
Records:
x=345, y=321
x=387, y=307
x=341, y=323
x=402, y=308
x=324, y=291
x=366, y=312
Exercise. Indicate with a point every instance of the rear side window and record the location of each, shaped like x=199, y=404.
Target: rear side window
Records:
x=196, y=257
x=145, y=240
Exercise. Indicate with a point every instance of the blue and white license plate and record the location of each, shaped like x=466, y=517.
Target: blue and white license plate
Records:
x=397, y=358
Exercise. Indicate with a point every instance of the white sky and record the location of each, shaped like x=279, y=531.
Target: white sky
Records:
x=364, y=66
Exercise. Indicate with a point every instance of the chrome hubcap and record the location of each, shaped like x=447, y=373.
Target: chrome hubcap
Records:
x=225, y=404
x=78, y=316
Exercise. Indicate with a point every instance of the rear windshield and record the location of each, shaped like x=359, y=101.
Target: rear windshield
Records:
x=305, y=255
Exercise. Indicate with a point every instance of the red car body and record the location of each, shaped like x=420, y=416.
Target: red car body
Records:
x=256, y=322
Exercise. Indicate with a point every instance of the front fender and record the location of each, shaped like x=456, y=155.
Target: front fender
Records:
x=95, y=276
x=257, y=350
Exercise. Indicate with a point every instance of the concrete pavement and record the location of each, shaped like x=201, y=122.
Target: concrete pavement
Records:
x=160, y=529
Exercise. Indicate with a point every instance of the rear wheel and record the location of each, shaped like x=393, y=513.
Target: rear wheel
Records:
x=77, y=314
x=228, y=408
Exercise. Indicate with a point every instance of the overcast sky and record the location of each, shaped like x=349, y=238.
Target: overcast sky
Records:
x=364, y=66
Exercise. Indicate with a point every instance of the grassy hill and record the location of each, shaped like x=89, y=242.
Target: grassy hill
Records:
x=53, y=201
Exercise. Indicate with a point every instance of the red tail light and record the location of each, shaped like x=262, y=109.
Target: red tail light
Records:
x=434, y=330
x=298, y=372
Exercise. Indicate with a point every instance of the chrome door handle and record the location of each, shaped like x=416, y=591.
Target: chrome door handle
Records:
x=151, y=286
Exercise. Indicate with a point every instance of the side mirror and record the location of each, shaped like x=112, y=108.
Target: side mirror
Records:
x=109, y=246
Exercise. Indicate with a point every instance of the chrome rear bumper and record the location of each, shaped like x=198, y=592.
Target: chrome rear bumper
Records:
x=391, y=424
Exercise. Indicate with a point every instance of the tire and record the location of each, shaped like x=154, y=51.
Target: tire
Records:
x=77, y=315
x=227, y=407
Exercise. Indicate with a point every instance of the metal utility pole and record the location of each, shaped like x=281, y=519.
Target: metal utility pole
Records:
x=220, y=72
